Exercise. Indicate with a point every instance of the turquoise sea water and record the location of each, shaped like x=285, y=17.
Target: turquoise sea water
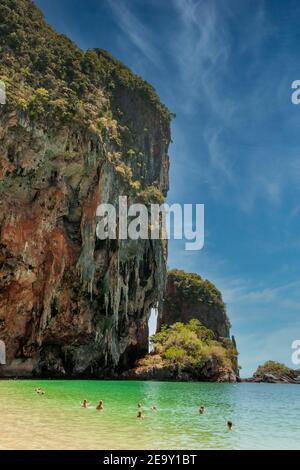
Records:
x=265, y=416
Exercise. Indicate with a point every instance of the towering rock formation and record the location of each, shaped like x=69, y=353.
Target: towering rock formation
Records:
x=78, y=129
x=189, y=296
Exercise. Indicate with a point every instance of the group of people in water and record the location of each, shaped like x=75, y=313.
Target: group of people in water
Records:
x=140, y=410
x=100, y=407
x=229, y=423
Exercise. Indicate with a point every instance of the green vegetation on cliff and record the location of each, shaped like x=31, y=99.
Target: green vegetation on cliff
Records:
x=45, y=72
x=190, y=296
x=189, y=345
x=192, y=286
x=50, y=82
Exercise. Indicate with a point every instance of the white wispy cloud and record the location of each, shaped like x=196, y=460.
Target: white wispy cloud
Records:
x=284, y=295
x=204, y=51
x=195, y=53
x=201, y=51
x=136, y=30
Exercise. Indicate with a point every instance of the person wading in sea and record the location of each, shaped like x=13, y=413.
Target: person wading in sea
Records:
x=229, y=425
x=100, y=406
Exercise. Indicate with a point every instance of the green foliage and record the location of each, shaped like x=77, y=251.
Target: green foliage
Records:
x=192, y=287
x=51, y=77
x=151, y=195
x=52, y=82
x=272, y=367
x=189, y=345
x=117, y=74
x=174, y=354
x=124, y=172
x=131, y=153
x=200, y=330
x=135, y=185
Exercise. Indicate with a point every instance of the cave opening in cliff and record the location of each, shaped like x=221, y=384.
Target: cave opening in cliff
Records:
x=137, y=351
x=152, y=325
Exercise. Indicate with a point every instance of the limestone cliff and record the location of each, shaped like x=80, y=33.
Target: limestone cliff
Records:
x=188, y=296
x=78, y=129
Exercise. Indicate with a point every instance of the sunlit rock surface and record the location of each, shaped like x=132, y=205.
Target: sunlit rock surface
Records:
x=78, y=129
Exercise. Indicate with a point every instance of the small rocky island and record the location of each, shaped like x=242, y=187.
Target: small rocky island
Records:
x=192, y=340
x=275, y=372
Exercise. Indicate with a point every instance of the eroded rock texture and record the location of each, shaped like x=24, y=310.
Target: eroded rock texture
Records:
x=189, y=296
x=72, y=305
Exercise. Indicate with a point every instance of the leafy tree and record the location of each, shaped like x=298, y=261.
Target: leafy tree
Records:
x=190, y=344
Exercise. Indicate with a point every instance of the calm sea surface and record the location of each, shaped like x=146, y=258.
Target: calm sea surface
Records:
x=265, y=416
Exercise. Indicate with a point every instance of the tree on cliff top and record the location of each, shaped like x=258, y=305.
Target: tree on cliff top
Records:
x=192, y=285
x=190, y=296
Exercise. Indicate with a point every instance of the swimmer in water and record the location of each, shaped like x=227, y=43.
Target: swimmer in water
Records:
x=100, y=406
x=153, y=408
x=85, y=404
x=39, y=391
x=201, y=410
x=229, y=425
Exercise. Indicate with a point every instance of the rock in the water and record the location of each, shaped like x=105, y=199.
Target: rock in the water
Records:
x=276, y=373
x=210, y=372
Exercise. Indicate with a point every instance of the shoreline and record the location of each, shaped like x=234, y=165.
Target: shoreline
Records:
x=113, y=379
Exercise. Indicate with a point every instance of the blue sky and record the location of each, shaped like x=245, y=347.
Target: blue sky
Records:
x=225, y=69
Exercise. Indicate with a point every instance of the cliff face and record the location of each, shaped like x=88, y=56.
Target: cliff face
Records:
x=78, y=129
x=188, y=297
